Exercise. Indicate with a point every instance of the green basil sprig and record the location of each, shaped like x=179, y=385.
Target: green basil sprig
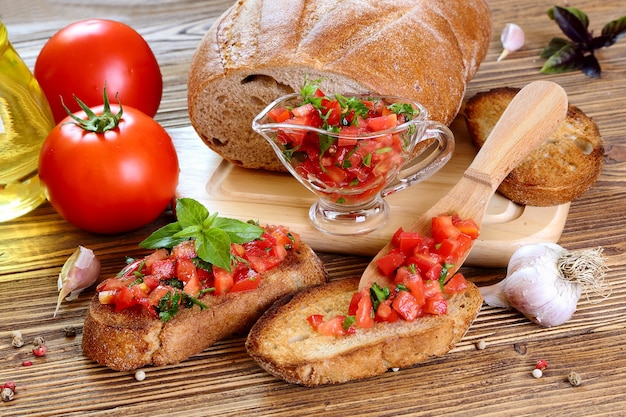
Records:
x=577, y=52
x=213, y=235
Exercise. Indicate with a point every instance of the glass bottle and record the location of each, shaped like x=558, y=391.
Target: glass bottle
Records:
x=25, y=121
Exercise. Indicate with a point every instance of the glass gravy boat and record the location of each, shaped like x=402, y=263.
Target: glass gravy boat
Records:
x=351, y=174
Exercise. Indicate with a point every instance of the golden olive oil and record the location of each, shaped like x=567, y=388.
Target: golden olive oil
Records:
x=25, y=121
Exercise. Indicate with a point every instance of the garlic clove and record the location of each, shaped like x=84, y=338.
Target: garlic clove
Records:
x=512, y=39
x=79, y=272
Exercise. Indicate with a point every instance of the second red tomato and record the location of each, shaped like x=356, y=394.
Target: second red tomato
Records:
x=82, y=57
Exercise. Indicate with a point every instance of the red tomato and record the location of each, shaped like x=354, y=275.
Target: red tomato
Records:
x=363, y=315
x=84, y=56
x=109, y=182
x=443, y=228
x=406, y=306
x=390, y=262
x=456, y=284
x=223, y=280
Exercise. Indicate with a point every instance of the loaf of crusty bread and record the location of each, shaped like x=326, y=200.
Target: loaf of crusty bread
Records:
x=284, y=344
x=257, y=51
x=566, y=165
x=133, y=338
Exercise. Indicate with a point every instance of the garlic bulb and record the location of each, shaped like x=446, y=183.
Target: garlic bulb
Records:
x=80, y=271
x=545, y=281
x=512, y=39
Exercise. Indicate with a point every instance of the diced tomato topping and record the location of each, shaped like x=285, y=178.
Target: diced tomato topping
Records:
x=406, y=306
x=385, y=313
x=416, y=265
x=390, y=262
x=333, y=327
x=364, y=314
x=436, y=305
x=456, y=284
x=315, y=320
x=443, y=228
x=245, y=279
x=279, y=114
x=223, y=280
x=466, y=226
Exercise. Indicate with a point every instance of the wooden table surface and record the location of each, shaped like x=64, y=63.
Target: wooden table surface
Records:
x=223, y=380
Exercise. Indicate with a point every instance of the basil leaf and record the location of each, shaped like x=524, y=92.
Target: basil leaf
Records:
x=238, y=231
x=555, y=45
x=163, y=237
x=213, y=246
x=573, y=24
x=591, y=67
x=189, y=212
x=614, y=31
x=568, y=58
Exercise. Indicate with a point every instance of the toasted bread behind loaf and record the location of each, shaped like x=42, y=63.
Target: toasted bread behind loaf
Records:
x=132, y=338
x=285, y=345
x=566, y=165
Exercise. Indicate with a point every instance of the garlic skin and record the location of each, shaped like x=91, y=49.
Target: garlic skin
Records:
x=79, y=272
x=535, y=287
x=512, y=39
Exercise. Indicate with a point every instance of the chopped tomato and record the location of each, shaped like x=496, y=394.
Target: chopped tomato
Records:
x=384, y=312
x=390, y=262
x=333, y=327
x=376, y=124
x=443, y=228
x=466, y=226
x=406, y=306
x=315, y=320
x=456, y=284
x=416, y=265
x=223, y=280
x=363, y=314
x=279, y=114
x=436, y=305
x=245, y=280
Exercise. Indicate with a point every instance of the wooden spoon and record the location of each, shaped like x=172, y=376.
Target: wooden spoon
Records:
x=530, y=118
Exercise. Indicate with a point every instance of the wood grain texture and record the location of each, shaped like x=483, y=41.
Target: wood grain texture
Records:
x=223, y=380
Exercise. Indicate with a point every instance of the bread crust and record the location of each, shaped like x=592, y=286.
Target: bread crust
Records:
x=566, y=165
x=257, y=51
x=133, y=338
x=283, y=343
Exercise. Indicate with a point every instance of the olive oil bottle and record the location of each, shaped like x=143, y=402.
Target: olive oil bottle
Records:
x=25, y=121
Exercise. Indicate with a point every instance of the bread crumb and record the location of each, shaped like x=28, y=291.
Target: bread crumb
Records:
x=481, y=345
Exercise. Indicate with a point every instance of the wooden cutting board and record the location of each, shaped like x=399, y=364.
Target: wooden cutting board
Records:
x=279, y=199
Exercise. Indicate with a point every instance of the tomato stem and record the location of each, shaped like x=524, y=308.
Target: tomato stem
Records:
x=97, y=123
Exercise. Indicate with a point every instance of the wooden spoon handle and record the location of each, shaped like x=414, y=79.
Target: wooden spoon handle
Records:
x=538, y=107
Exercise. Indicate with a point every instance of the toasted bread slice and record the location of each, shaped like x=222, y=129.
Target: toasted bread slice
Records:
x=285, y=345
x=566, y=165
x=133, y=338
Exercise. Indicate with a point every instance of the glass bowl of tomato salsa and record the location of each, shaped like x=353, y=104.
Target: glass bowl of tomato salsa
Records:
x=352, y=151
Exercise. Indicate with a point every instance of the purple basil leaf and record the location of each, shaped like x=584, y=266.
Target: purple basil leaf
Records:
x=555, y=45
x=591, y=67
x=613, y=31
x=571, y=25
x=568, y=58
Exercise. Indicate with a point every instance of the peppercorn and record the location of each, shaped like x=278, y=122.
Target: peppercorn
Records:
x=70, y=331
x=574, y=379
x=7, y=394
x=39, y=341
x=18, y=340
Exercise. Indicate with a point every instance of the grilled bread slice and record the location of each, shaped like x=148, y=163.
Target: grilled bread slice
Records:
x=284, y=344
x=566, y=165
x=132, y=338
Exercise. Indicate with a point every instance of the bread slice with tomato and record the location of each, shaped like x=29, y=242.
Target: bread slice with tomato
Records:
x=284, y=344
x=172, y=304
x=337, y=333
